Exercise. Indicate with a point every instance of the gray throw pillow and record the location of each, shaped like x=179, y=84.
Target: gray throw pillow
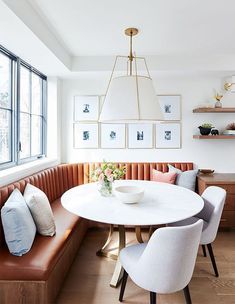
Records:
x=18, y=224
x=186, y=179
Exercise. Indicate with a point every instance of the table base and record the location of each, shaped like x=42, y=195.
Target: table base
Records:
x=104, y=252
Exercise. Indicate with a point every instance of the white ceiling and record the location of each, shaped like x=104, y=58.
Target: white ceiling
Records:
x=65, y=37
x=95, y=27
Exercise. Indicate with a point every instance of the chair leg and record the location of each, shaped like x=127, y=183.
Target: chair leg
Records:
x=209, y=247
x=153, y=297
x=123, y=286
x=187, y=295
x=204, y=250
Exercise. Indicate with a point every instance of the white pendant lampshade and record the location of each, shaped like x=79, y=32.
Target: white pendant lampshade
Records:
x=131, y=97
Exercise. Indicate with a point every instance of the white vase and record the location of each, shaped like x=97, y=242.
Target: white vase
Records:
x=105, y=188
x=218, y=104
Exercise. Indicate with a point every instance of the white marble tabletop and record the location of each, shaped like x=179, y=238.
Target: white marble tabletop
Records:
x=162, y=203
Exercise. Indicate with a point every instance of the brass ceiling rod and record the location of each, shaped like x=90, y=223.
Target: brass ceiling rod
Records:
x=131, y=31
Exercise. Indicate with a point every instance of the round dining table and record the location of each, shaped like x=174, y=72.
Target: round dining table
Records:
x=161, y=204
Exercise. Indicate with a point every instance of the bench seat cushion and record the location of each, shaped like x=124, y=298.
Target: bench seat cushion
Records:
x=46, y=251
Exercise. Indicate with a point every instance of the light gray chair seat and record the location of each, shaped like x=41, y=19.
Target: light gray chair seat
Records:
x=189, y=221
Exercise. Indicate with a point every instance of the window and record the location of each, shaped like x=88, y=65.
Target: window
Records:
x=22, y=111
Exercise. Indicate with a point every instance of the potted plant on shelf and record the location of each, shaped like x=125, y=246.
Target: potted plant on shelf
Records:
x=230, y=129
x=205, y=129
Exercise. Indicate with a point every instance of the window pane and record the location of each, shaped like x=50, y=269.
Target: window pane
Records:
x=24, y=89
x=25, y=135
x=36, y=135
x=5, y=81
x=5, y=136
x=36, y=94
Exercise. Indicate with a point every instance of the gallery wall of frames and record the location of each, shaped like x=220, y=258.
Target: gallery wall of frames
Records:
x=90, y=134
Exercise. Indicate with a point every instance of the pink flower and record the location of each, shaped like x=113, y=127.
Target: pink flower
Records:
x=108, y=172
x=110, y=178
x=101, y=178
x=98, y=171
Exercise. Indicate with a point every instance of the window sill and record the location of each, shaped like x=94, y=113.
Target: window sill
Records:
x=10, y=175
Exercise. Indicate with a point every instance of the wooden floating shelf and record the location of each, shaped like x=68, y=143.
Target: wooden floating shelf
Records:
x=213, y=136
x=214, y=110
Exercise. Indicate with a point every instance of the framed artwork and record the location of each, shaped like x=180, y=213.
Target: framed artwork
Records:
x=86, y=135
x=86, y=108
x=113, y=136
x=168, y=135
x=170, y=106
x=140, y=136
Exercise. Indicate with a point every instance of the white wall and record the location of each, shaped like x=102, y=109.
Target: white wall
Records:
x=54, y=118
x=195, y=88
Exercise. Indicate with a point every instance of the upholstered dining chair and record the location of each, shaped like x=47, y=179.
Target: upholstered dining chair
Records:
x=214, y=198
x=165, y=264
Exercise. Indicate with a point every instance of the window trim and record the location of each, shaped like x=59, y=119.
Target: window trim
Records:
x=16, y=63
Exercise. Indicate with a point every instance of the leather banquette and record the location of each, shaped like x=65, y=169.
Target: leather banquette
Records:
x=36, y=277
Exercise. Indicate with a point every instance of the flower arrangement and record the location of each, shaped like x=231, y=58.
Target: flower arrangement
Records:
x=105, y=174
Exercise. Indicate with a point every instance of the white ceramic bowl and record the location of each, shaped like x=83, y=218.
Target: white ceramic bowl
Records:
x=129, y=194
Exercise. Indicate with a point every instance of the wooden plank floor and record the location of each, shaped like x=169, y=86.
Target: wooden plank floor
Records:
x=88, y=279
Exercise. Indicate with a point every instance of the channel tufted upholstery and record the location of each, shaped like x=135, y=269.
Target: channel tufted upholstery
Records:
x=138, y=171
x=37, y=276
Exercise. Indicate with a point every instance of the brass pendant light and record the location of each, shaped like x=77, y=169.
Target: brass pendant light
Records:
x=130, y=97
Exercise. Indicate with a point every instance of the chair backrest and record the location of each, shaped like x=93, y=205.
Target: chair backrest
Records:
x=168, y=260
x=214, y=198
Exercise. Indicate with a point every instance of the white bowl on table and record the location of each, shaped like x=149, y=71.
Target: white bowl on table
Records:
x=129, y=194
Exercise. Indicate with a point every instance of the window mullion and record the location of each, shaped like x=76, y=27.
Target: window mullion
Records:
x=13, y=111
x=30, y=111
x=17, y=146
x=44, y=117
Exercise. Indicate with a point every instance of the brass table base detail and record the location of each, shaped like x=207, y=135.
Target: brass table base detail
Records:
x=104, y=252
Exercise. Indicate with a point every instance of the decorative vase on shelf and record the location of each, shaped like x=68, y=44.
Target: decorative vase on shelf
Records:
x=218, y=98
x=204, y=131
x=106, y=188
x=218, y=104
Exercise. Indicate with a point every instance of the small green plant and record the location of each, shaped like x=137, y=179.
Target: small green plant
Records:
x=207, y=125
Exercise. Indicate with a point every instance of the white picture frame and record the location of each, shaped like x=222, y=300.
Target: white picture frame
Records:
x=86, y=135
x=168, y=135
x=170, y=106
x=86, y=108
x=113, y=136
x=140, y=136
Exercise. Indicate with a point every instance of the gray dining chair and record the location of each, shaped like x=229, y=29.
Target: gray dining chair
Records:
x=165, y=264
x=214, y=198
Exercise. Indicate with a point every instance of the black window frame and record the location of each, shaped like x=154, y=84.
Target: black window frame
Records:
x=16, y=63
